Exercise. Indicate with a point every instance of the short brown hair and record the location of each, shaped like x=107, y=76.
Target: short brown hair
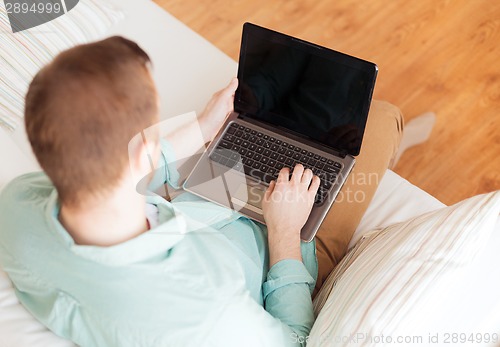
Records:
x=83, y=109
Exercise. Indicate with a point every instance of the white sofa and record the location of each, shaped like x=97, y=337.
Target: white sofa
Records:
x=188, y=69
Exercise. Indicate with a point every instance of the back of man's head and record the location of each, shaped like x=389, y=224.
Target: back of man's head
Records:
x=83, y=109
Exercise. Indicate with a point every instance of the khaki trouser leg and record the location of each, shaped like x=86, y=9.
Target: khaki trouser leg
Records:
x=380, y=144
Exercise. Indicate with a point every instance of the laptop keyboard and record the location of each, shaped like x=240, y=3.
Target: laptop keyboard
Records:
x=263, y=156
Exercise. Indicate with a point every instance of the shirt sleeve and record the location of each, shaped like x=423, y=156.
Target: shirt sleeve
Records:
x=287, y=295
x=166, y=168
x=243, y=322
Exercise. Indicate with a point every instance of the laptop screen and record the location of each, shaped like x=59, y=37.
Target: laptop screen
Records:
x=309, y=90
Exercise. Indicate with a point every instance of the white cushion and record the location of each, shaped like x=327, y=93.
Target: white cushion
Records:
x=396, y=200
x=25, y=52
x=395, y=279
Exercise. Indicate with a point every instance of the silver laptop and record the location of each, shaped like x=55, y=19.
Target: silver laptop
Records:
x=296, y=102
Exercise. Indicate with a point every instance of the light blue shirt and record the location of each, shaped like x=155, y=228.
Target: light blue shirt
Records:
x=197, y=279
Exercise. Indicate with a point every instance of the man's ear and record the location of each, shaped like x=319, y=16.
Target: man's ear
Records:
x=143, y=156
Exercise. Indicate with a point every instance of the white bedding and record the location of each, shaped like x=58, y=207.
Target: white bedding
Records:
x=188, y=69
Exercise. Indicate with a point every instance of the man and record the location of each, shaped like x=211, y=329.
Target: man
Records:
x=102, y=265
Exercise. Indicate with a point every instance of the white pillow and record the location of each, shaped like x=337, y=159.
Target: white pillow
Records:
x=388, y=287
x=25, y=52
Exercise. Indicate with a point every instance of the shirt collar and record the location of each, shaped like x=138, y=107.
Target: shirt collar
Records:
x=151, y=244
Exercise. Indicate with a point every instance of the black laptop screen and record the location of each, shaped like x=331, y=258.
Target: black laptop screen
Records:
x=310, y=90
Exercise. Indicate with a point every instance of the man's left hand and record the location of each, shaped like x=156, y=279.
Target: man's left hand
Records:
x=217, y=110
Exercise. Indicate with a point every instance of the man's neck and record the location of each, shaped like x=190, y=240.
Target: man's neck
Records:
x=109, y=220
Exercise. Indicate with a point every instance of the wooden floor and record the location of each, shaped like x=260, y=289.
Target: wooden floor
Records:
x=433, y=55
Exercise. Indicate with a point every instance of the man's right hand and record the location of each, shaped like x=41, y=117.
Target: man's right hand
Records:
x=287, y=205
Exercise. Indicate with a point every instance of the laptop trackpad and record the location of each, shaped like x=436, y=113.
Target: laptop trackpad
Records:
x=249, y=197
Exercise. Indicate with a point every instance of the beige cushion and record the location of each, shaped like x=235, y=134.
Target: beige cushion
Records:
x=381, y=288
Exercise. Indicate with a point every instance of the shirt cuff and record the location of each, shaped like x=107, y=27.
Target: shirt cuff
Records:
x=284, y=273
